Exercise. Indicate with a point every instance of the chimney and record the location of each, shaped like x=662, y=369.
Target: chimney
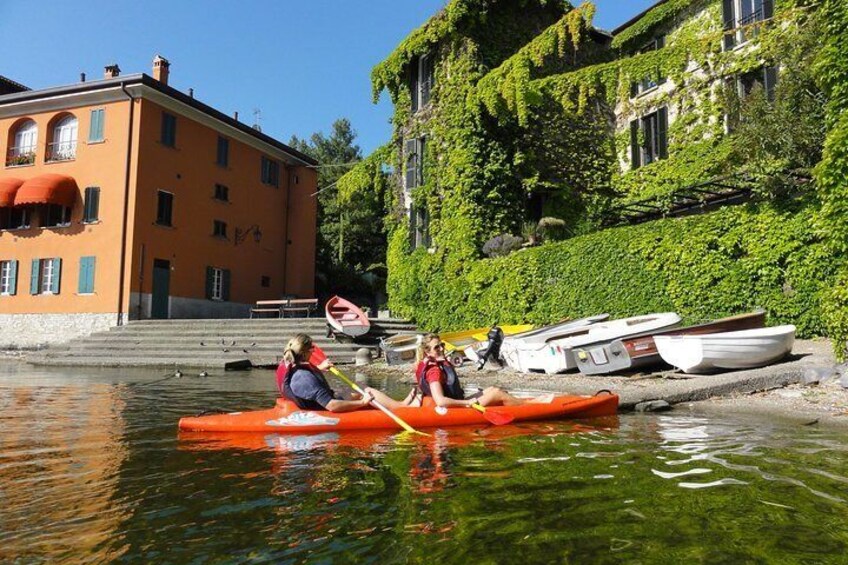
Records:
x=111, y=71
x=160, y=69
x=191, y=93
x=235, y=116
x=82, y=77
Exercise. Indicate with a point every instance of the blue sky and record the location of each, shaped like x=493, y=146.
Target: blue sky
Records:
x=301, y=63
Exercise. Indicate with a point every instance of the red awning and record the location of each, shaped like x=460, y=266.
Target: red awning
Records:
x=48, y=189
x=8, y=188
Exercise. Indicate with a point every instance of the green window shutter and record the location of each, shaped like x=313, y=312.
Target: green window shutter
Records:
x=13, y=277
x=86, y=275
x=95, y=133
x=662, y=134
x=34, y=276
x=210, y=281
x=57, y=276
x=635, y=150
x=225, y=285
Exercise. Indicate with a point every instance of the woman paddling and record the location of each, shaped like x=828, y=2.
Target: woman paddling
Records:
x=436, y=377
x=305, y=385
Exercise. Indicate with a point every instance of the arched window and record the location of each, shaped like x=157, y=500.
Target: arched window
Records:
x=23, y=144
x=64, y=145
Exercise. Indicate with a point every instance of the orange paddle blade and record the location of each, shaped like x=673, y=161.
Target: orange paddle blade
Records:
x=493, y=416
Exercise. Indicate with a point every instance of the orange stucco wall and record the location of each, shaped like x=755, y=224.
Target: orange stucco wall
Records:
x=189, y=171
x=98, y=164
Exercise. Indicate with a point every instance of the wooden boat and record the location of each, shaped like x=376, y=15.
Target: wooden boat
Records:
x=744, y=349
x=401, y=348
x=559, y=356
x=344, y=317
x=525, y=350
x=287, y=418
x=634, y=352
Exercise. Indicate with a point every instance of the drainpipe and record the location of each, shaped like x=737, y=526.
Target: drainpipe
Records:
x=286, y=241
x=126, y=207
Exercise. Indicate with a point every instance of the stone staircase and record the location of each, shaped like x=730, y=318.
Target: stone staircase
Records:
x=207, y=344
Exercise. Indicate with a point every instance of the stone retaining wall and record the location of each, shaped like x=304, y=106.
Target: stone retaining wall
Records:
x=31, y=331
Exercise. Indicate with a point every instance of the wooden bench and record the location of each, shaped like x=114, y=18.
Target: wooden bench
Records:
x=285, y=306
x=296, y=305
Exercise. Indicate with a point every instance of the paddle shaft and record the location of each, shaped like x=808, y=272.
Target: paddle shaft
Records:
x=376, y=404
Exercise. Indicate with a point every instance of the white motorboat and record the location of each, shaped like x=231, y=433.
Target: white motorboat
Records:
x=558, y=356
x=521, y=351
x=729, y=350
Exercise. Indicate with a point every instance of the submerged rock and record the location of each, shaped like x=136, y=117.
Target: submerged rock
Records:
x=653, y=406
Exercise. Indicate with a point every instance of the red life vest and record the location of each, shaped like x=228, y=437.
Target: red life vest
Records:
x=450, y=380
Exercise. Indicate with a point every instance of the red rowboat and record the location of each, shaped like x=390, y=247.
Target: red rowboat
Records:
x=346, y=318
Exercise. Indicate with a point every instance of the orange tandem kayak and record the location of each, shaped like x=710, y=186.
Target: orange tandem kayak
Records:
x=286, y=417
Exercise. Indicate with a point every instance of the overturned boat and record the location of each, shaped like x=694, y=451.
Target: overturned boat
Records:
x=744, y=349
x=559, y=356
x=525, y=351
x=632, y=353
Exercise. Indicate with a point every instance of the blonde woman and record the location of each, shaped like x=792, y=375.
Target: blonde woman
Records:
x=436, y=377
x=305, y=385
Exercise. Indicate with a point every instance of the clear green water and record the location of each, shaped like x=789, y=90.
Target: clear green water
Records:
x=92, y=470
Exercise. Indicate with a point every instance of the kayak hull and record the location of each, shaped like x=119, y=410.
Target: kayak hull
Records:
x=287, y=418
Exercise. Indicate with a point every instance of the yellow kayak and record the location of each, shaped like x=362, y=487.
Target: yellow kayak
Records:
x=457, y=341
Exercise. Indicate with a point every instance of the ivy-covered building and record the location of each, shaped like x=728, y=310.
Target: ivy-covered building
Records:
x=516, y=120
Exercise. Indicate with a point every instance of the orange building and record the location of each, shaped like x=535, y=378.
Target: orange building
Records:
x=124, y=198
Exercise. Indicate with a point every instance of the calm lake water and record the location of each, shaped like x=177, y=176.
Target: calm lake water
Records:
x=92, y=470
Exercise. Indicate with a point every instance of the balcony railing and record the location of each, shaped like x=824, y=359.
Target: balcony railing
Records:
x=61, y=151
x=20, y=156
x=756, y=16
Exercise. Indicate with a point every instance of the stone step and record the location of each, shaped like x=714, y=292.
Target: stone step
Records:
x=176, y=343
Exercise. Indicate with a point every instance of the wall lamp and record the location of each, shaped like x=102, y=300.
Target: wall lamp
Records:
x=241, y=234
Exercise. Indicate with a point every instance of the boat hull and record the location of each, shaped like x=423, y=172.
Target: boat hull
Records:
x=527, y=352
x=633, y=353
x=564, y=353
x=745, y=349
x=286, y=418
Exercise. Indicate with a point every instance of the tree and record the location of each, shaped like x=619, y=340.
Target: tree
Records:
x=350, y=238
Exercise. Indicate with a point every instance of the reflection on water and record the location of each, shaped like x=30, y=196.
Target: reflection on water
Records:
x=92, y=469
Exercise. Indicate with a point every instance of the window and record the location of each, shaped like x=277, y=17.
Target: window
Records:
x=22, y=151
x=55, y=215
x=8, y=277
x=270, y=172
x=421, y=81
x=164, y=208
x=91, y=210
x=740, y=17
x=86, y=275
x=217, y=283
x=265, y=281
x=740, y=87
x=14, y=218
x=45, y=276
x=649, y=82
x=64, y=144
x=223, y=158
x=649, y=138
x=414, y=157
x=222, y=193
x=95, y=130
x=419, y=227
x=169, y=130
x=219, y=229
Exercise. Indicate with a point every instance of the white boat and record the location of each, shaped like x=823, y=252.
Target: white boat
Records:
x=744, y=349
x=520, y=351
x=558, y=355
x=401, y=348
